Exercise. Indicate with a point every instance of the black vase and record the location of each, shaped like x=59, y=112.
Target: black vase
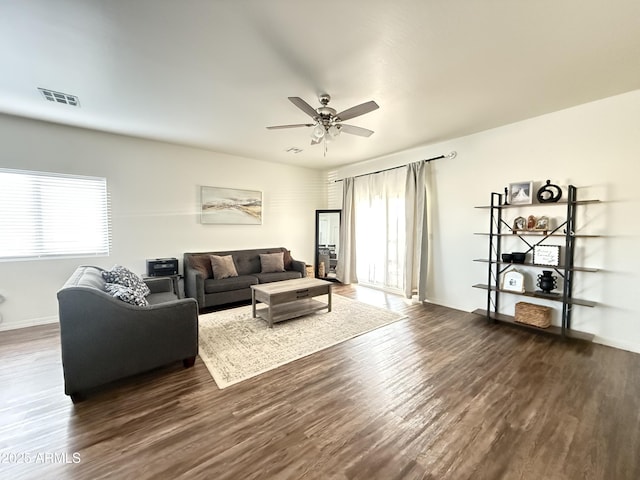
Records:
x=546, y=281
x=549, y=193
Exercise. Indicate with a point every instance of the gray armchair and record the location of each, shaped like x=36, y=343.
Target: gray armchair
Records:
x=104, y=339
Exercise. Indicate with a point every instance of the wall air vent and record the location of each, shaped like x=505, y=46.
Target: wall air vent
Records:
x=59, y=97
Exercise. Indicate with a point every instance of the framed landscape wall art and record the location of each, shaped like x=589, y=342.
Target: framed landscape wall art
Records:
x=230, y=206
x=521, y=193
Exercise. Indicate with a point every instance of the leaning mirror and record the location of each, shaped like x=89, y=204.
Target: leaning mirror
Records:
x=327, y=243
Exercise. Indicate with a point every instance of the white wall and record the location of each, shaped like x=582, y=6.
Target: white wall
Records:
x=596, y=147
x=155, y=189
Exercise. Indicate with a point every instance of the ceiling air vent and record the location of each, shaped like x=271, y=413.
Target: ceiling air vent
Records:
x=59, y=97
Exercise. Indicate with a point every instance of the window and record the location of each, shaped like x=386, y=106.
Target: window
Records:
x=44, y=215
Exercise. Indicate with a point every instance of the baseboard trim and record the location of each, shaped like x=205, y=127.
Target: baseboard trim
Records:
x=629, y=347
x=32, y=322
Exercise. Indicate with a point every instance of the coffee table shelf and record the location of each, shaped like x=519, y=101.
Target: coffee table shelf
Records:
x=286, y=311
x=289, y=299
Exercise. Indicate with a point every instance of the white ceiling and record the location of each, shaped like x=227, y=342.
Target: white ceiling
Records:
x=213, y=74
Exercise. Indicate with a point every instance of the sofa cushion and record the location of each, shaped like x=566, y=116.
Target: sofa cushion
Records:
x=126, y=294
x=272, y=262
x=228, y=284
x=247, y=262
x=223, y=267
x=277, y=276
x=123, y=276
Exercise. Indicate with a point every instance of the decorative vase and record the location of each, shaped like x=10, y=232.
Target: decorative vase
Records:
x=549, y=193
x=547, y=281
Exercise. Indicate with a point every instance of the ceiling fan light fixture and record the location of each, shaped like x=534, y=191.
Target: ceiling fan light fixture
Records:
x=318, y=131
x=327, y=123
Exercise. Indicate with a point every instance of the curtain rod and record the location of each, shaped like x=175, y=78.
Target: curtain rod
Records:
x=448, y=155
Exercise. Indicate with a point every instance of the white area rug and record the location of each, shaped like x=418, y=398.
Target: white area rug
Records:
x=235, y=347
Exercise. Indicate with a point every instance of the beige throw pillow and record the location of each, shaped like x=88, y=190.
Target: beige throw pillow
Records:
x=223, y=267
x=272, y=262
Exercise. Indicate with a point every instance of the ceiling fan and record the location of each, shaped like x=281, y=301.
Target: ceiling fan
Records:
x=327, y=123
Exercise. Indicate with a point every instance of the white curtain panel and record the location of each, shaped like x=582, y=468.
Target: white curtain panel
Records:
x=346, y=267
x=385, y=221
x=380, y=229
x=417, y=234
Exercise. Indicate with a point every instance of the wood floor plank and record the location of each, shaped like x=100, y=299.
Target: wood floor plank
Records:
x=440, y=395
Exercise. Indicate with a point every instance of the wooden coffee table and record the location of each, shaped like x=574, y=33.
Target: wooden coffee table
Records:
x=289, y=298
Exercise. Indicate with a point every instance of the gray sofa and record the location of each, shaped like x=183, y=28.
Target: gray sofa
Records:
x=210, y=292
x=104, y=339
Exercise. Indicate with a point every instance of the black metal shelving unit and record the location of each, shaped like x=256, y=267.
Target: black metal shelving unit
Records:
x=498, y=229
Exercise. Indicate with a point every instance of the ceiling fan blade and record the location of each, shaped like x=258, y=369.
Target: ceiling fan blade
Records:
x=353, y=130
x=358, y=110
x=275, y=127
x=315, y=141
x=304, y=106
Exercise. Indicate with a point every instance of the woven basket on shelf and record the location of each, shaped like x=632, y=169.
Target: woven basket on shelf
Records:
x=531, y=314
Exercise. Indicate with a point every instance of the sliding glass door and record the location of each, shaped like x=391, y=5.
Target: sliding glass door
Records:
x=380, y=229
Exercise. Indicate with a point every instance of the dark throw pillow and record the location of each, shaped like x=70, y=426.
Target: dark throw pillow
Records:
x=288, y=261
x=201, y=263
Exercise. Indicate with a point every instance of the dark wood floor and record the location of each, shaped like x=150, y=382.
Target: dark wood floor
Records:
x=441, y=395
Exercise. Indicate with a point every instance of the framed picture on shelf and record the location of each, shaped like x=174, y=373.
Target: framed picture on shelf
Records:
x=520, y=223
x=543, y=224
x=546, y=255
x=521, y=193
x=513, y=281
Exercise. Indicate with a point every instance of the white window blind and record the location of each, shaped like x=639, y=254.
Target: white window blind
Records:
x=45, y=215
